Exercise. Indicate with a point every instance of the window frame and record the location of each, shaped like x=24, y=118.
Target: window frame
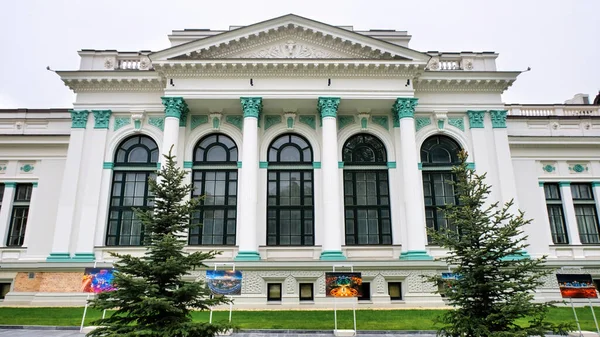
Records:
x=554, y=203
x=312, y=292
x=274, y=299
x=123, y=169
x=17, y=231
x=365, y=294
x=202, y=167
x=589, y=204
x=395, y=298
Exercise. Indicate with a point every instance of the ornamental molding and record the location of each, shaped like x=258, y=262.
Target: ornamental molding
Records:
x=288, y=41
x=462, y=85
x=284, y=68
x=123, y=83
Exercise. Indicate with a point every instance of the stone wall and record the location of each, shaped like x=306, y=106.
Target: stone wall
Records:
x=49, y=282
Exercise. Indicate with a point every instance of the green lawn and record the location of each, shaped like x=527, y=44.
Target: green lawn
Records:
x=285, y=319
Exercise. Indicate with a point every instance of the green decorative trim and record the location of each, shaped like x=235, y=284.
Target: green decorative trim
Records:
x=332, y=255
x=595, y=183
x=188, y=164
x=158, y=166
x=564, y=183
x=364, y=122
x=59, y=257
x=137, y=124
x=391, y=164
x=84, y=257
x=415, y=255
x=27, y=168
x=108, y=165
x=518, y=256
x=381, y=120
x=344, y=121
x=404, y=108
x=578, y=168
x=340, y=164
x=263, y=164
x=237, y=121
x=271, y=120
x=309, y=120
x=440, y=124
x=174, y=106
x=471, y=166
x=121, y=122
x=34, y=184
x=476, y=118
x=10, y=184
x=184, y=115
x=239, y=164
x=79, y=118
x=247, y=256
x=541, y=183
x=252, y=106
x=158, y=122
x=198, y=120
x=216, y=122
x=101, y=118
x=548, y=168
x=327, y=106
x=316, y=164
x=422, y=122
x=290, y=123
x=498, y=118
x=458, y=123
x=420, y=166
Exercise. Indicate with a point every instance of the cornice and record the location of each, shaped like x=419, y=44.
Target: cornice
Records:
x=288, y=68
x=465, y=81
x=110, y=81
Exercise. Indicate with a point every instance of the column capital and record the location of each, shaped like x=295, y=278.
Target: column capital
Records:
x=251, y=106
x=79, y=118
x=476, y=118
x=498, y=118
x=174, y=106
x=404, y=107
x=101, y=118
x=327, y=106
x=184, y=114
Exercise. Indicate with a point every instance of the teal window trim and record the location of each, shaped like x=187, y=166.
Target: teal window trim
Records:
x=541, y=183
x=564, y=183
x=391, y=164
x=188, y=164
x=263, y=164
x=239, y=164
x=10, y=184
x=595, y=183
x=340, y=164
x=108, y=165
x=316, y=164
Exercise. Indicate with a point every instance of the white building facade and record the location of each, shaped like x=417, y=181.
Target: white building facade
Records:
x=313, y=145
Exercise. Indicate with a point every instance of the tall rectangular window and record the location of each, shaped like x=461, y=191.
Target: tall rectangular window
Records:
x=439, y=192
x=20, y=213
x=585, y=213
x=1, y=194
x=556, y=215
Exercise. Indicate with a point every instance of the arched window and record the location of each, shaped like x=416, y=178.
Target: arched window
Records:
x=290, y=204
x=438, y=155
x=134, y=163
x=366, y=191
x=215, y=177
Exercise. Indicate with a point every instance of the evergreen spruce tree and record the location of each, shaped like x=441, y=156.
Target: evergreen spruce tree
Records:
x=151, y=298
x=496, y=280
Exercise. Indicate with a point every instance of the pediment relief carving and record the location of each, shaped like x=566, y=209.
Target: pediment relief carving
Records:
x=289, y=43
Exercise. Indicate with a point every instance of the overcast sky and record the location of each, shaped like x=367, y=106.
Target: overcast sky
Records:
x=559, y=40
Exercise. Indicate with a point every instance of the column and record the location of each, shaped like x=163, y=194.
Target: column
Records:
x=68, y=192
x=7, y=200
x=506, y=175
x=246, y=220
x=569, y=209
x=174, y=108
x=84, y=251
x=32, y=206
x=482, y=152
x=332, y=196
x=412, y=186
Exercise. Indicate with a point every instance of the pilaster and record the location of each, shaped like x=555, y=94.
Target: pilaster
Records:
x=413, y=247
x=33, y=201
x=247, y=216
x=94, y=157
x=332, y=198
x=482, y=155
x=68, y=199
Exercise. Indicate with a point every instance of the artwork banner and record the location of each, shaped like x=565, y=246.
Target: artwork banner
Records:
x=343, y=284
x=224, y=282
x=98, y=280
x=576, y=286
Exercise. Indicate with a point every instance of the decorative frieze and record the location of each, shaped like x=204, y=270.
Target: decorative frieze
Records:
x=290, y=119
x=121, y=122
x=549, y=167
x=421, y=122
x=158, y=122
x=344, y=121
x=381, y=120
x=578, y=168
x=215, y=118
x=197, y=120
x=271, y=120
x=3, y=166
x=363, y=118
x=309, y=120
x=237, y=121
x=26, y=166
x=458, y=123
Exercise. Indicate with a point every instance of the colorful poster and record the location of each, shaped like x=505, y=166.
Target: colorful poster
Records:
x=576, y=286
x=343, y=284
x=224, y=282
x=98, y=280
x=450, y=276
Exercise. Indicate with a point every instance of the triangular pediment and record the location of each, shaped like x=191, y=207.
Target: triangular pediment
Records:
x=289, y=37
